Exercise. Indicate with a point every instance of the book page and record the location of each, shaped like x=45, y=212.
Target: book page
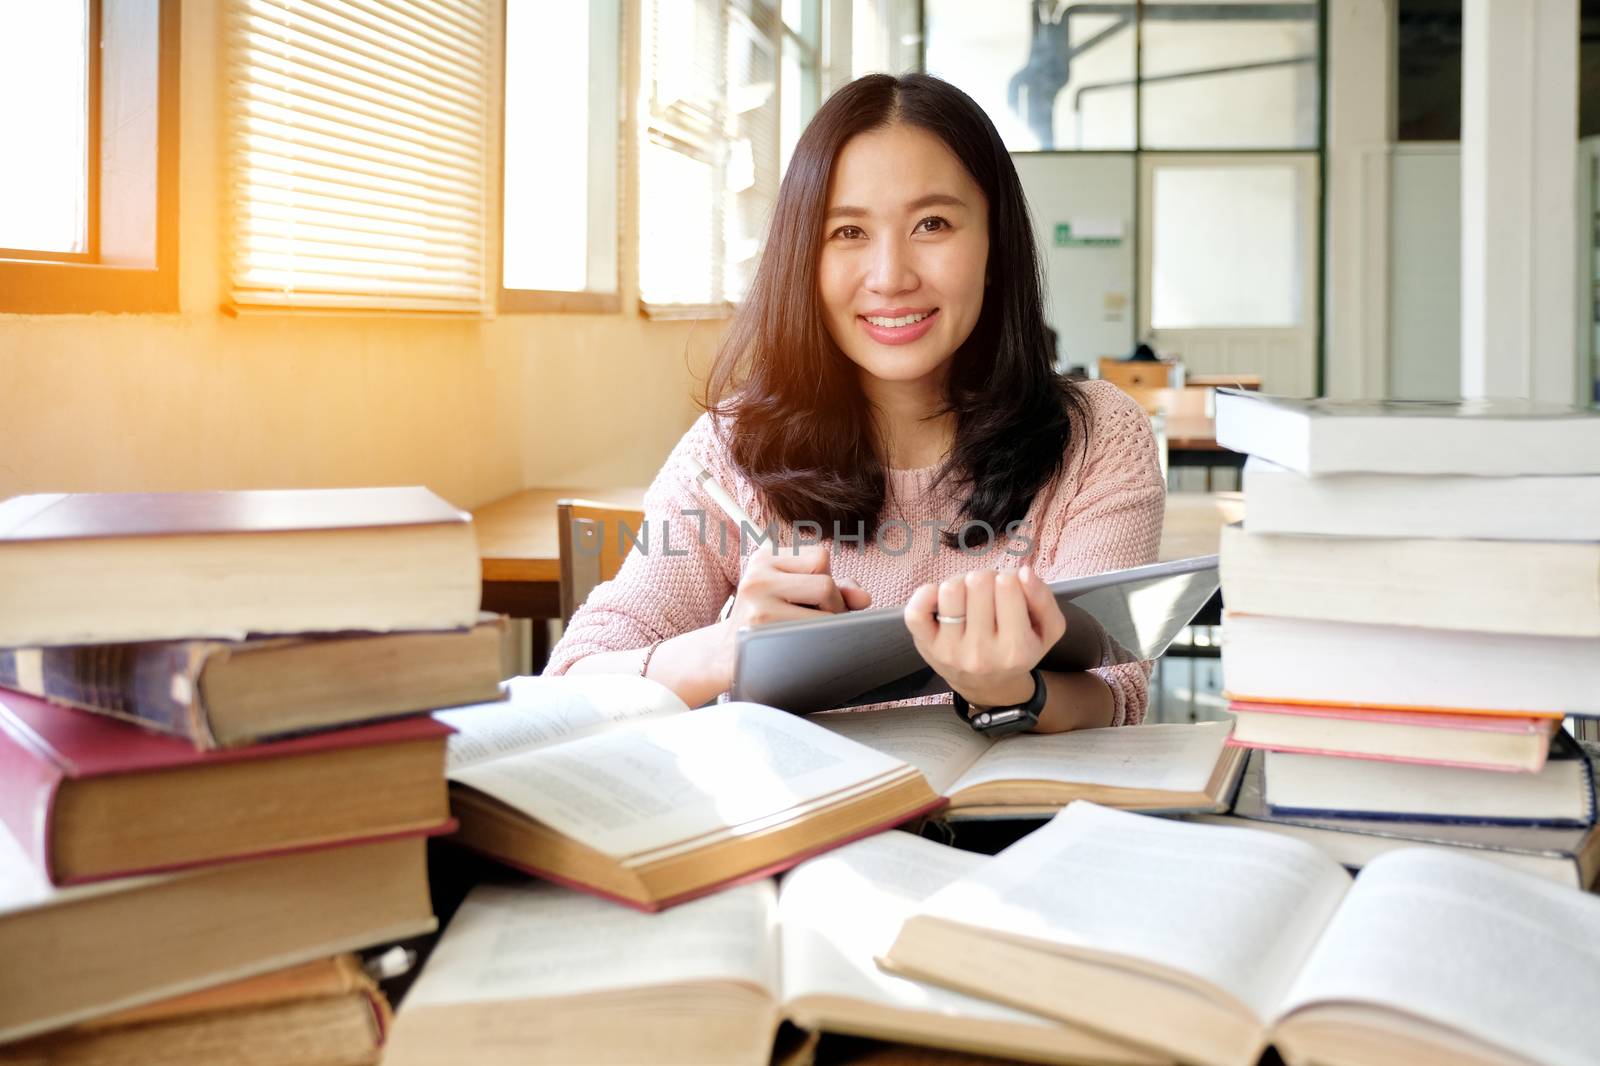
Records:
x=837, y=913
x=531, y=939
x=668, y=780
x=1237, y=908
x=931, y=738
x=543, y=710
x=1502, y=956
x=1171, y=758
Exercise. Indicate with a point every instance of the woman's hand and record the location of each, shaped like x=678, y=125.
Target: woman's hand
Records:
x=792, y=583
x=782, y=586
x=1008, y=620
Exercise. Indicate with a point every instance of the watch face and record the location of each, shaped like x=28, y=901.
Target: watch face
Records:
x=999, y=719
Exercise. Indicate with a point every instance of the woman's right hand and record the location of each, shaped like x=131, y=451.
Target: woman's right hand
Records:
x=782, y=586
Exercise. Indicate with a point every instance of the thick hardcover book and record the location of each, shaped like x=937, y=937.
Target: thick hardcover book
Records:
x=611, y=784
x=1454, y=507
x=75, y=954
x=708, y=982
x=223, y=693
x=1566, y=856
x=1560, y=793
x=1489, y=438
x=322, y=1013
x=90, y=798
x=1544, y=588
x=1406, y=668
x=95, y=568
x=1477, y=741
x=1207, y=943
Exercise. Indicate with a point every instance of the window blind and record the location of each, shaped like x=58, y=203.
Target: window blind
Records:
x=359, y=137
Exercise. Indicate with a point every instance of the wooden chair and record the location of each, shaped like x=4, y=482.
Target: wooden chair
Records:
x=593, y=546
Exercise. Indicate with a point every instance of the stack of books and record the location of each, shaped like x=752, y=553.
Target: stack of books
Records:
x=1413, y=608
x=217, y=766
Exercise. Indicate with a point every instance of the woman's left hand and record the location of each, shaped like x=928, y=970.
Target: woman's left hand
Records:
x=999, y=624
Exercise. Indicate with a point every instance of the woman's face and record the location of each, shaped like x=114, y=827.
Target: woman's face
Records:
x=904, y=251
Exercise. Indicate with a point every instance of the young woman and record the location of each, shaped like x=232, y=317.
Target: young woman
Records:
x=885, y=401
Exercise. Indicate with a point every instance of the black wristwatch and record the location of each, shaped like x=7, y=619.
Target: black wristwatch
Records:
x=999, y=721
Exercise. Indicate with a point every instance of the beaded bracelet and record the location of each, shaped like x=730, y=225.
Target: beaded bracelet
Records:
x=649, y=653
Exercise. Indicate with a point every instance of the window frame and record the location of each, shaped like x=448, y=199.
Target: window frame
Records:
x=562, y=301
x=83, y=282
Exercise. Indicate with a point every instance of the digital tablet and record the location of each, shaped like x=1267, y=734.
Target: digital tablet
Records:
x=862, y=657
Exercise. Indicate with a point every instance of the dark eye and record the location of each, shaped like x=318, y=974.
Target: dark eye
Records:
x=932, y=224
x=849, y=233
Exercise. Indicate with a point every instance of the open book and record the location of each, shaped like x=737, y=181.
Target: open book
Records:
x=531, y=972
x=1177, y=767
x=1206, y=943
x=611, y=784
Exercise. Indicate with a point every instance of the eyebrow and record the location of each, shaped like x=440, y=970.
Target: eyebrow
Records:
x=938, y=199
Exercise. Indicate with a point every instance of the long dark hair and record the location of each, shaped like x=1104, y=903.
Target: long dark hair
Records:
x=789, y=402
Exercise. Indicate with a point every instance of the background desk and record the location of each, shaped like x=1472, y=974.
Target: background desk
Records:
x=521, y=551
x=521, y=548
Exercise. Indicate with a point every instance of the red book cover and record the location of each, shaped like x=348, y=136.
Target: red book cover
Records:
x=43, y=745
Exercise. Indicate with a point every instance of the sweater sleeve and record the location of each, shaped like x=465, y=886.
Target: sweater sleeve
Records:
x=678, y=576
x=1112, y=521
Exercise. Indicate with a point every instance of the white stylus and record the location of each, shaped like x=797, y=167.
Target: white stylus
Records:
x=729, y=505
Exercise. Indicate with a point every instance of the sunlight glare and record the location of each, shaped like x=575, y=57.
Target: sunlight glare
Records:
x=44, y=125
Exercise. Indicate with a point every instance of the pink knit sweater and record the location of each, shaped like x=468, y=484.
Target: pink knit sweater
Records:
x=1102, y=513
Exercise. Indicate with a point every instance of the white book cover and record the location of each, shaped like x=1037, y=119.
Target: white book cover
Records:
x=1301, y=660
x=1491, y=438
x=1553, y=508
x=1551, y=588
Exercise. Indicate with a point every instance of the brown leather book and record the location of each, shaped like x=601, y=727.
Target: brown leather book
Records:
x=220, y=694
x=97, y=568
x=89, y=798
x=322, y=1013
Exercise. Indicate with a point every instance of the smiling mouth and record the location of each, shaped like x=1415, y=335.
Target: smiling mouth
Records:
x=897, y=323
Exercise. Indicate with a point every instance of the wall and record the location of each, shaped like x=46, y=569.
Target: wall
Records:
x=1085, y=286
x=1425, y=272
x=202, y=400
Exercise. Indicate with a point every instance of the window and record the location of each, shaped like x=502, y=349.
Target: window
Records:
x=45, y=209
x=1058, y=79
x=802, y=45
x=1428, y=70
x=1226, y=243
x=359, y=141
x=1179, y=75
x=1239, y=74
x=726, y=87
x=559, y=182
x=90, y=224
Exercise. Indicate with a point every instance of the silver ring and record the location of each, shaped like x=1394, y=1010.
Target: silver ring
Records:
x=949, y=619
